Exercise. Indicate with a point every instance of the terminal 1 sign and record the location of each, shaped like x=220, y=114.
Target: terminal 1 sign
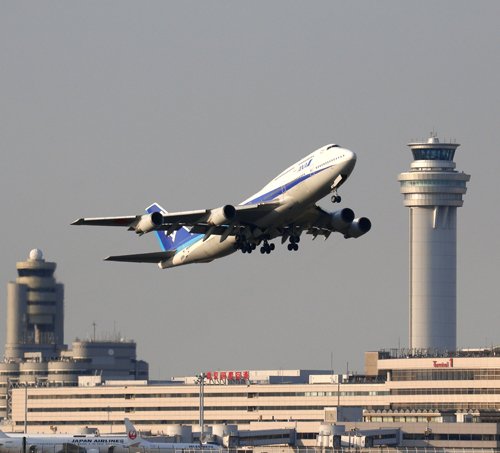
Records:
x=446, y=364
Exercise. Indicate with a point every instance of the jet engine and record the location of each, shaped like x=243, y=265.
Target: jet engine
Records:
x=340, y=220
x=222, y=215
x=358, y=227
x=148, y=222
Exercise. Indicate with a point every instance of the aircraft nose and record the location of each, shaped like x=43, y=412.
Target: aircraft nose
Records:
x=349, y=160
x=350, y=155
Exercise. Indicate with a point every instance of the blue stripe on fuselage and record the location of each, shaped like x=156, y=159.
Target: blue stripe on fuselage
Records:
x=282, y=189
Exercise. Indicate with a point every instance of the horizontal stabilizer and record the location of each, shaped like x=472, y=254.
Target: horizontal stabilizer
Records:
x=123, y=221
x=154, y=257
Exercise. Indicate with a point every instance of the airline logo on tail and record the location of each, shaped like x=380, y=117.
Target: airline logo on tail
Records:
x=132, y=434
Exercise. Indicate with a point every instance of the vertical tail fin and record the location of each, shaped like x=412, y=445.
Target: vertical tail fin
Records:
x=174, y=240
x=132, y=434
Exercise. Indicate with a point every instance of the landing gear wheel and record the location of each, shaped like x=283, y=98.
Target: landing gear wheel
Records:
x=266, y=247
x=295, y=247
x=336, y=198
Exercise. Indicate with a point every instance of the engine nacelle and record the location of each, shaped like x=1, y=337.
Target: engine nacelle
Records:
x=358, y=227
x=340, y=220
x=148, y=222
x=220, y=216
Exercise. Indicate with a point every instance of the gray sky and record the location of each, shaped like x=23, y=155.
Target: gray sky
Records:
x=106, y=107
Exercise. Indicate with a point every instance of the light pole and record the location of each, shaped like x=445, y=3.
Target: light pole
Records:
x=201, y=382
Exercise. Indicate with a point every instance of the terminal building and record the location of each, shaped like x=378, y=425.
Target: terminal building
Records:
x=430, y=394
x=439, y=401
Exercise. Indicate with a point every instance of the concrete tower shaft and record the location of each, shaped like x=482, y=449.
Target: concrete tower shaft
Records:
x=433, y=190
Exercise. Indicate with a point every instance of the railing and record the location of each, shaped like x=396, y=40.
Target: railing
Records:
x=414, y=353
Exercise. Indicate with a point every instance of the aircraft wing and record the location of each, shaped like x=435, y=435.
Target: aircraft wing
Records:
x=182, y=218
x=200, y=220
x=250, y=213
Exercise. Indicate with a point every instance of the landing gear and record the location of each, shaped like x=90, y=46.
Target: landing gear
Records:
x=244, y=245
x=336, y=198
x=248, y=247
x=293, y=245
x=267, y=248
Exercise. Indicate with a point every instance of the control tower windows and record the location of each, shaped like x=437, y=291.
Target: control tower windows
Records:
x=35, y=272
x=433, y=154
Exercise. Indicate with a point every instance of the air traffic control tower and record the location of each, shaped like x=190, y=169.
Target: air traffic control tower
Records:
x=433, y=191
x=35, y=309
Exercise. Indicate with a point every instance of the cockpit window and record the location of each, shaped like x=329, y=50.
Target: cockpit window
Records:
x=333, y=146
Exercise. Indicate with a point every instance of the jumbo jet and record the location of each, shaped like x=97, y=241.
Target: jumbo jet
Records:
x=284, y=209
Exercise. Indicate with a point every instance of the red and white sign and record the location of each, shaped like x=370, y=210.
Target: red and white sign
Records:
x=132, y=435
x=227, y=377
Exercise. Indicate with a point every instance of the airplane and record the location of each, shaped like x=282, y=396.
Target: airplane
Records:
x=90, y=442
x=285, y=208
x=138, y=441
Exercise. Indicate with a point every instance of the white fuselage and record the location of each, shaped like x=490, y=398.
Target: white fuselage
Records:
x=86, y=441
x=93, y=443
x=298, y=187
